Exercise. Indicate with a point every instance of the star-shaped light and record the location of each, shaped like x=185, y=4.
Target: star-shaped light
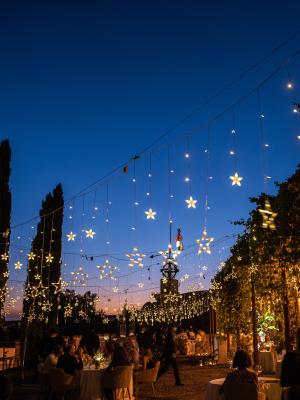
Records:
x=71, y=236
x=31, y=256
x=107, y=270
x=115, y=289
x=236, y=179
x=82, y=314
x=6, y=274
x=6, y=233
x=18, y=265
x=59, y=286
x=136, y=258
x=40, y=289
x=90, y=233
x=4, y=257
x=191, y=203
x=150, y=214
x=37, y=277
x=140, y=285
x=79, y=277
x=268, y=216
x=49, y=258
x=105, y=321
x=68, y=311
x=204, y=243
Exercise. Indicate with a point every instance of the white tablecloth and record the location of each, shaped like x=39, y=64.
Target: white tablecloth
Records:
x=272, y=390
x=267, y=360
x=90, y=385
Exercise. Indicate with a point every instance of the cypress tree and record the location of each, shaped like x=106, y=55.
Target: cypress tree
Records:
x=5, y=212
x=44, y=265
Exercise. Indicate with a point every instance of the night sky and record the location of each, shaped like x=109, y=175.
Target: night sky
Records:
x=86, y=85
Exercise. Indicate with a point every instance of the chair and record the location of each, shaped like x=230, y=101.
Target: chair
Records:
x=148, y=376
x=238, y=391
x=118, y=378
x=61, y=383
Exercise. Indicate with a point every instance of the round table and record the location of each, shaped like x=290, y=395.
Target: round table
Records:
x=269, y=386
x=90, y=384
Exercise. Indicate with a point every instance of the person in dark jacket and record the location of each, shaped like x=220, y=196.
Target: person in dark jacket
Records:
x=70, y=361
x=290, y=371
x=90, y=340
x=52, y=340
x=169, y=357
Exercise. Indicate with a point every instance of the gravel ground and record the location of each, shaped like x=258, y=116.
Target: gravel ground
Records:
x=194, y=378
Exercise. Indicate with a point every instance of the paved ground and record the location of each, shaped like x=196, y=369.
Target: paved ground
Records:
x=194, y=378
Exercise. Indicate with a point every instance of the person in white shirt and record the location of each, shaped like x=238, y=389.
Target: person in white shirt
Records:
x=52, y=359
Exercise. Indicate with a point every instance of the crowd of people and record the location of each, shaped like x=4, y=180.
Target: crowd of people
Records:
x=150, y=346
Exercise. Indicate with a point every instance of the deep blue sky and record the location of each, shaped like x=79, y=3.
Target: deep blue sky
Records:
x=84, y=85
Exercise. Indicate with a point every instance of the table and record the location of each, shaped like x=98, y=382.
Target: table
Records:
x=267, y=361
x=90, y=384
x=272, y=389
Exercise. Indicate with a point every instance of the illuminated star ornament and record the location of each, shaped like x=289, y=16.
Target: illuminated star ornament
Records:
x=191, y=203
x=136, y=258
x=18, y=265
x=68, y=311
x=106, y=270
x=6, y=233
x=49, y=258
x=236, y=179
x=150, y=214
x=268, y=216
x=71, y=236
x=31, y=256
x=4, y=257
x=204, y=243
x=140, y=285
x=90, y=234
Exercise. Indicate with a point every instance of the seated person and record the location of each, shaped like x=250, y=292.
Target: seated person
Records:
x=70, y=361
x=200, y=336
x=148, y=361
x=191, y=334
x=242, y=362
x=119, y=358
x=52, y=359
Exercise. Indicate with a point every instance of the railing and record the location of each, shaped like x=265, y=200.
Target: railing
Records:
x=10, y=355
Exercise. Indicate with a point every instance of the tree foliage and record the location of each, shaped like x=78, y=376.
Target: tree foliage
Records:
x=268, y=258
x=5, y=213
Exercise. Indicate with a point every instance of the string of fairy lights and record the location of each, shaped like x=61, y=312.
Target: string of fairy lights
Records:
x=85, y=230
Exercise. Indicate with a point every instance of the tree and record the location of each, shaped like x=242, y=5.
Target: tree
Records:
x=44, y=264
x=5, y=213
x=266, y=263
x=77, y=311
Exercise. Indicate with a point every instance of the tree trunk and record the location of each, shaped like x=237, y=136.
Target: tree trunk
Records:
x=254, y=324
x=286, y=314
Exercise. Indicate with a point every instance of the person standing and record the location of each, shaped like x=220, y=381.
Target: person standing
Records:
x=169, y=357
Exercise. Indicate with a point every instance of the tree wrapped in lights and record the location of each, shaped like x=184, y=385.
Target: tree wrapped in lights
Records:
x=5, y=212
x=76, y=310
x=266, y=265
x=44, y=263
